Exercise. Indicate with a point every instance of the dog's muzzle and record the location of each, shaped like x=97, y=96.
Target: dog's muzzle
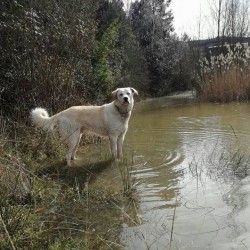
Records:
x=126, y=100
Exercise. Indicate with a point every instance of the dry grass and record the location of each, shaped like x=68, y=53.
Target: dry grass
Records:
x=46, y=205
x=226, y=77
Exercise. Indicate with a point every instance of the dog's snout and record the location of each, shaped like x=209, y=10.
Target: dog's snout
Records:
x=125, y=99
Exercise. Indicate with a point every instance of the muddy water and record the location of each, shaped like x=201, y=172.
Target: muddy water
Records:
x=191, y=163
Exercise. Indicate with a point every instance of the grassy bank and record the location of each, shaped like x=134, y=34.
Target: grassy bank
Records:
x=46, y=205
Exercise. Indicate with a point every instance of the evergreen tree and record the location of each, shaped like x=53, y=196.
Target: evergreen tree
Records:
x=152, y=22
x=117, y=59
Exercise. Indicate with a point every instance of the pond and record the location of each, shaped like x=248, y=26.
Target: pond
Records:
x=192, y=164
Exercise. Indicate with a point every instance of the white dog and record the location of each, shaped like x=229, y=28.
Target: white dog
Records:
x=107, y=120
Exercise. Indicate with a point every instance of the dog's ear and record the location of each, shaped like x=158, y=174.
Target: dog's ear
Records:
x=135, y=92
x=113, y=94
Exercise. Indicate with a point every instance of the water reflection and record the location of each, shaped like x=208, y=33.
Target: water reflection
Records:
x=187, y=177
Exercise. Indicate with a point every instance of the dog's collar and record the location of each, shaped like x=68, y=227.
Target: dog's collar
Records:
x=121, y=112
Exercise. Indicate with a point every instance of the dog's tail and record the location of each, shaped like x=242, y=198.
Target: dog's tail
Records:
x=41, y=119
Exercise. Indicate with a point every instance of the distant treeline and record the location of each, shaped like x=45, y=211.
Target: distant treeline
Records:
x=60, y=53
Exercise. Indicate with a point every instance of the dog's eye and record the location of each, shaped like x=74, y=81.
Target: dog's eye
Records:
x=128, y=93
x=121, y=94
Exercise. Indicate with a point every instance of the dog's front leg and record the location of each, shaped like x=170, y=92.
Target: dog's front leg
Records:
x=120, y=144
x=113, y=146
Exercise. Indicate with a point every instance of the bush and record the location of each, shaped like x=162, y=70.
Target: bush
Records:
x=45, y=54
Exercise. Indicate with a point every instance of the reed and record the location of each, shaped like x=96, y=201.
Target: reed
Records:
x=226, y=77
x=127, y=176
x=227, y=162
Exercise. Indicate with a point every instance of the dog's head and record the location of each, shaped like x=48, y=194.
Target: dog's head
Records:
x=123, y=97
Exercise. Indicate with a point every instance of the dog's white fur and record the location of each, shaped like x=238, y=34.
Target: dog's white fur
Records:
x=107, y=120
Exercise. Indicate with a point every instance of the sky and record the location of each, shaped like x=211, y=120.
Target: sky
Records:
x=187, y=15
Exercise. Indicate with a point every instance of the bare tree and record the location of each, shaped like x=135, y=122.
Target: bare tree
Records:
x=231, y=18
x=236, y=19
x=216, y=8
x=243, y=19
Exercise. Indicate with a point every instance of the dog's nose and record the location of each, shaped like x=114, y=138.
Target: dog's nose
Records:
x=125, y=99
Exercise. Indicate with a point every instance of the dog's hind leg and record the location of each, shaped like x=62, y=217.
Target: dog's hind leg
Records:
x=73, y=141
x=73, y=156
x=70, y=135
